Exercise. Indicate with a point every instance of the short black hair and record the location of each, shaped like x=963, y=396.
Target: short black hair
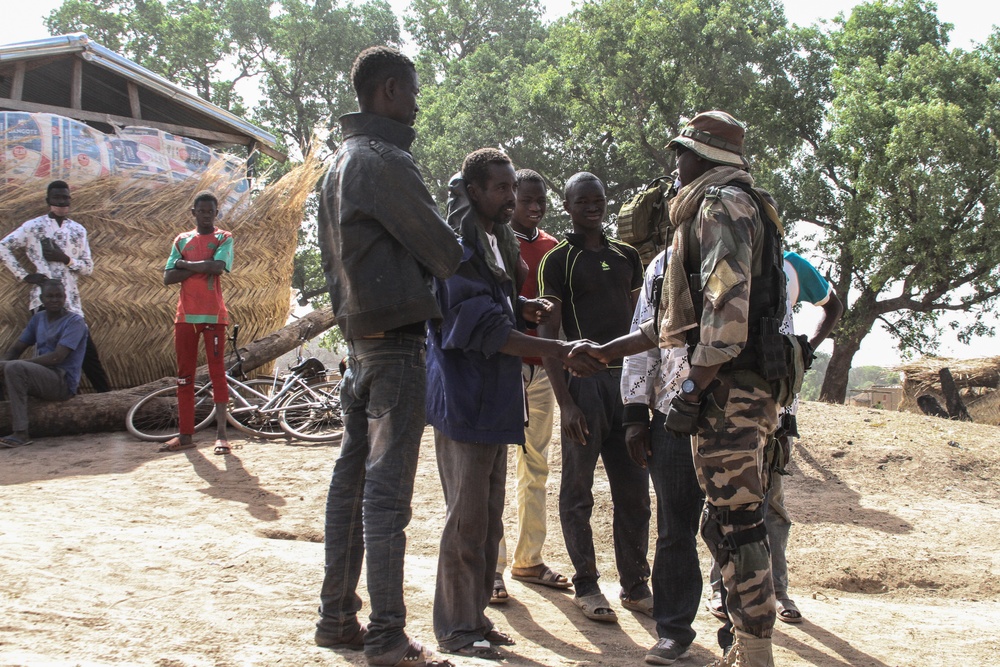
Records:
x=476, y=165
x=581, y=177
x=205, y=195
x=56, y=185
x=376, y=64
x=53, y=282
x=530, y=176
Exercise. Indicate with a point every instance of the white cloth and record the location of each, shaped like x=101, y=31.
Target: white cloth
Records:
x=70, y=236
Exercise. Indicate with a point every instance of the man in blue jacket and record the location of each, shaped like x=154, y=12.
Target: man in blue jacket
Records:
x=475, y=398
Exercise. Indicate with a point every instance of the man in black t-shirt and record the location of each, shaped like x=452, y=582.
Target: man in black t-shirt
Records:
x=594, y=283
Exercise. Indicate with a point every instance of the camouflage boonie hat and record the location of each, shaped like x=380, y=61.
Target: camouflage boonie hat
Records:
x=715, y=136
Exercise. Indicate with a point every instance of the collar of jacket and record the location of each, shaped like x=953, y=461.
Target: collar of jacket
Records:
x=578, y=240
x=390, y=130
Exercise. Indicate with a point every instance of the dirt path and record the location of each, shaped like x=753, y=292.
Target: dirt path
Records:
x=111, y=554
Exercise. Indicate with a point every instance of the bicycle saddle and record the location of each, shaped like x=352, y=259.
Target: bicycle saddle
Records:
x=309, y=368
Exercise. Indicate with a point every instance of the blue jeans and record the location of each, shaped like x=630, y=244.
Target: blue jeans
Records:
x=368, y=506
x=676, y=571
x=599, y=397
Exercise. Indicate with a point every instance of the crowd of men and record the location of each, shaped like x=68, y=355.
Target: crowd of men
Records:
x=682, y=374
x=480, y=323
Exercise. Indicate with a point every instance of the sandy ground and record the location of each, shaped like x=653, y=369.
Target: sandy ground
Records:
x=112, y=554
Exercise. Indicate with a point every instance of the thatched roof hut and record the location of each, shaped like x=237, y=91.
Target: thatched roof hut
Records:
x=95, y=120
x=130, y=228
x=977, y=381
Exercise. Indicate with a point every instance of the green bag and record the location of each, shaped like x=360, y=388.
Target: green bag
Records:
x=644, y=220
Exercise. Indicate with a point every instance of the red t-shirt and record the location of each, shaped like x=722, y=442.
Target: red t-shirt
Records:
x=532, y=252
x=201, y=299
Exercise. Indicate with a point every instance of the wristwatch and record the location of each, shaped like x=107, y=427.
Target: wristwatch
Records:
x=689, y=387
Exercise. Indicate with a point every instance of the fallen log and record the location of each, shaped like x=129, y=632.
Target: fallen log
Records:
x=93, y=413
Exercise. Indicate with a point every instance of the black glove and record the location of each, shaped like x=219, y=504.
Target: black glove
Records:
x=682, y=416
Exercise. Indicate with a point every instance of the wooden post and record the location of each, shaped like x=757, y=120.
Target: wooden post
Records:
x=133, y=100
x=76, y=85
x=17, y=86
x=956, y=408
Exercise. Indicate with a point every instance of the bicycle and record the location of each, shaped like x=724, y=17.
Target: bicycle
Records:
x=294, y=405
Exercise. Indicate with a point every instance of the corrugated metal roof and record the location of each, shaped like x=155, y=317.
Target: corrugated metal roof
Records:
x=105, y=76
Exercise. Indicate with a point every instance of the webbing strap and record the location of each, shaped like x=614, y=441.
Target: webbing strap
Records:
x=733, y=541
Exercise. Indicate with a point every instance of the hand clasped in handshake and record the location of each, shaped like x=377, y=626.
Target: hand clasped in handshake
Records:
x=585, y=358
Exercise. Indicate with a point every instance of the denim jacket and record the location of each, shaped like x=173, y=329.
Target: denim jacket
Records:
x=381, y=236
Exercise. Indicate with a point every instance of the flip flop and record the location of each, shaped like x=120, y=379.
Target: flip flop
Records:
x=174, y=445
x=415, y=656
x=542, y=575
x=787, y=611
x=498, y=638
x=221, y=447
x=714, y=606
x=11, y=442
x=597, y=608
x=500, y=595
x=481, y=649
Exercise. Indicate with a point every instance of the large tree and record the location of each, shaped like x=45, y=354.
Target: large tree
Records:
x=902, y=183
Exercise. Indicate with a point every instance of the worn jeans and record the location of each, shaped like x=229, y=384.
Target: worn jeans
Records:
x=599, y=397
x=368, y=506
x=26, y=378
x=532, y=471
x=676, y=571
x=473, y=477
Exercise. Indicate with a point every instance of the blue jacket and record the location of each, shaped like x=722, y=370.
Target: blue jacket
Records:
x=474, y=392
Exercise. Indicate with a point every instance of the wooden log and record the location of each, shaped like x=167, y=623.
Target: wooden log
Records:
x=956, y=408
x=94, y=413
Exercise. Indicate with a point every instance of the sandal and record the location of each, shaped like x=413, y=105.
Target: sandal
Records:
x=500, y=595
x=596, y=607
x=481, y=649
x=641, y=606
x=175, y=445
x=221, y=447
x=540, y=574
x=415, y=656
x=12, y=442
x=787, y=611
x=714, y=606
x=498, y=638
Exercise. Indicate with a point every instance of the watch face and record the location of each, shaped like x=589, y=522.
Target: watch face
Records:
x=689, y=387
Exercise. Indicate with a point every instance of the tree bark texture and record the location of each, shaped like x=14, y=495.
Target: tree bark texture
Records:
x=93, y=413
x=956, y=408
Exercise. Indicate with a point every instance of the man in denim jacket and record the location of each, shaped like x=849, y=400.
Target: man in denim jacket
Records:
x=382, y=241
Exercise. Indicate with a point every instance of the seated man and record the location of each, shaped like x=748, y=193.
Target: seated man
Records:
x=60, y=340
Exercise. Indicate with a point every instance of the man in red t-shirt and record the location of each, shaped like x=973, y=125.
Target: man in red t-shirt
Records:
x=532, y=459
x=197, y=261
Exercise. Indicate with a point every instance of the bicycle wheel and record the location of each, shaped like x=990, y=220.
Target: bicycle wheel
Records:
x=313, y=414
x=154, y=417
x=244, y=409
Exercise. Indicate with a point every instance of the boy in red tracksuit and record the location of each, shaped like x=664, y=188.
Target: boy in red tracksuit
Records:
x=197, y=261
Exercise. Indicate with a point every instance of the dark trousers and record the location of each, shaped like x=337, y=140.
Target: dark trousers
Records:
x=679, y=500
x=473, y=477
x=599, y=397
x=368, y=506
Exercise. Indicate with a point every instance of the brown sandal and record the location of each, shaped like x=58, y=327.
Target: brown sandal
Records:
x=175, y=445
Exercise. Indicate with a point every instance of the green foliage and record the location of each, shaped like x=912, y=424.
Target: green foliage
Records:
x=813, y=379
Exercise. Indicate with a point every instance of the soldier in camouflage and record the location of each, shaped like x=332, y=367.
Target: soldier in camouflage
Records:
x=720, y=248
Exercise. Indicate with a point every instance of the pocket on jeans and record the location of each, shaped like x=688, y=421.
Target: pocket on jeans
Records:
x=385, y=388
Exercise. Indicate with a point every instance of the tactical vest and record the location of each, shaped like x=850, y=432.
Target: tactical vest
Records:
x=765, y=350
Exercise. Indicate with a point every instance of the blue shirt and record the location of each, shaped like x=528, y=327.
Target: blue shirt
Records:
x=69, y=331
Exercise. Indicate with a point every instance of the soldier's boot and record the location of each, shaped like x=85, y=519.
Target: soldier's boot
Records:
x=747, y=651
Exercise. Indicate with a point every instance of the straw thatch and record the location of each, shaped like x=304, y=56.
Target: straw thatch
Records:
x=976, y=380
x=130, y=228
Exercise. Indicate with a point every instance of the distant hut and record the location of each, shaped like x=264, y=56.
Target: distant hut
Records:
x=133, y=196
x=976, y=380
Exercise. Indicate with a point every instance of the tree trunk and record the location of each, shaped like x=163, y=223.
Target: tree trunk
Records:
x=834, y=389
x=91, y=413
x=956, y=408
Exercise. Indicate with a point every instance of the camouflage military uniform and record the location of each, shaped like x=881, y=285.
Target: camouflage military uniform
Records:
x=740, y=412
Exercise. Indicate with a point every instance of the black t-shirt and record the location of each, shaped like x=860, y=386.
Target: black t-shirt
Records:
x=594, y=286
